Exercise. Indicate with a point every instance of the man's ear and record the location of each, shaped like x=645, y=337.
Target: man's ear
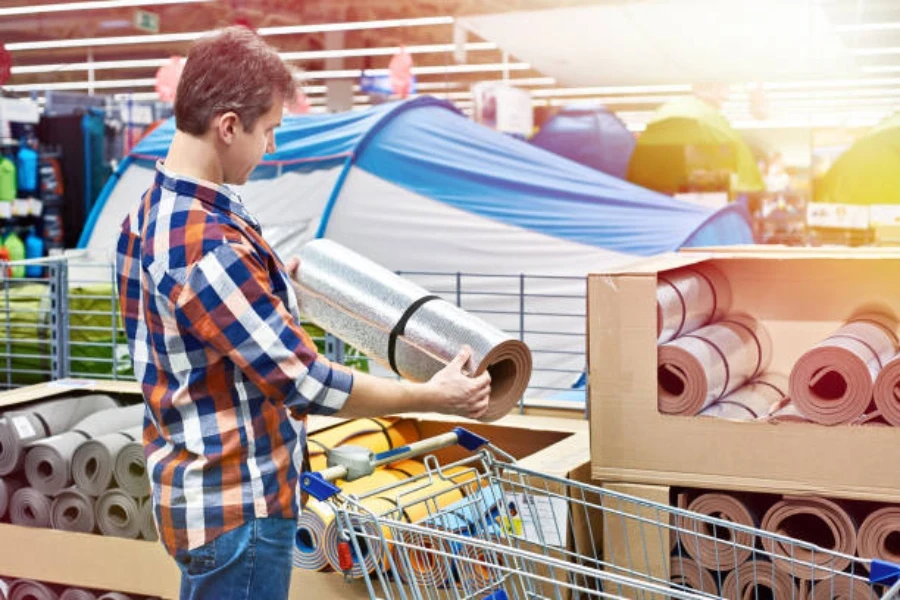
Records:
x=227, y=125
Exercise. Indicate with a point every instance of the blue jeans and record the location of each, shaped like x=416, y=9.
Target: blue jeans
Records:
x=251, y=562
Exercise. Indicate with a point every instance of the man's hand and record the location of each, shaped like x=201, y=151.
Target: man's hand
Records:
x=452, y=391
x=292, y=266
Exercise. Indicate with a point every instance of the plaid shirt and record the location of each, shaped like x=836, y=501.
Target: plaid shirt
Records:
x=212, y=324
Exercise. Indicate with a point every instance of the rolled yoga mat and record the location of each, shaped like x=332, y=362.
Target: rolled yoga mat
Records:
x=114, y=596
x=118, y=514
x=703, y=367
x=94, y=460
x=787, y=413
x=30, y=508
x=73, y=510
x=8, y=487
x=77, y=594
x=48, y=464
x=4, y=589
x=879, y=535
x=378, y=435
x=887, y=391
x=814, y=520
x=699, y=538
x=41, y=420
x=130, y=469
x=753, y=400
x=758, y=578
x=148, y=525
x=688, y=299
x=25, y=589
x=309, y=549
x=403, y=326
x=842, y=587
x=834, y=381
x=687, y=573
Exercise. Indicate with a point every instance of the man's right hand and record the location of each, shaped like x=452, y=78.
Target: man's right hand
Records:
x=452, y=391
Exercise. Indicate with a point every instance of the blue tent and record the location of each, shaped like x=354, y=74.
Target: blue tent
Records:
x=590, y=135
x=416, y=186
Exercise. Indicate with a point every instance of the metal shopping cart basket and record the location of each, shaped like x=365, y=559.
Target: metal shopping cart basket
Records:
x=485, y=528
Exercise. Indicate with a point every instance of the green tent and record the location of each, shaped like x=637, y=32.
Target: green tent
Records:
x=685, y=135
x=868, y=172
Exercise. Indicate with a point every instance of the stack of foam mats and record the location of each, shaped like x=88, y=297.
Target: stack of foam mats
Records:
x=403, y=326
x=98, y=345
x=76, y=464
x=742, y=565
x=27, y=589
x=25, y=334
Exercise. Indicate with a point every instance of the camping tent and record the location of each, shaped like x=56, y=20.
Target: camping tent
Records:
x=590, y=135
x=869, y=171
x=687, y=134
x=417, y=187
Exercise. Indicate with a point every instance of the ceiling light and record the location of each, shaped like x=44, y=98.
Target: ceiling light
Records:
x=886, y=51
x=886, y=26
x=389, y=51
x=882, y=69
x=81, y=85
x=33, y=9
x=432, y=70
x=88, y=66
x=158, y=38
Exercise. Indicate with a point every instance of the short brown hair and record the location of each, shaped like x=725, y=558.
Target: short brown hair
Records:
x=233, y=70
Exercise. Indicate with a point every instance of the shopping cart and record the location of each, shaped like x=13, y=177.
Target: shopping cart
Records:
x=485, y=528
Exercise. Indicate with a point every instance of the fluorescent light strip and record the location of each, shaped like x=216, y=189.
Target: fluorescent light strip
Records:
x=34, y=9
x=882, y=69
x=886, y=51
x=437, y=70
x=190, y=36
x=389, y=51
x=82, y=85
x=158, y=62
x=887, y=26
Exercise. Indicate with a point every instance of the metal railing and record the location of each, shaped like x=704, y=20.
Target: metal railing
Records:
x=64, y=321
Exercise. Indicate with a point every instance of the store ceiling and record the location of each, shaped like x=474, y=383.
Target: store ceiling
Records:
x=834, y=57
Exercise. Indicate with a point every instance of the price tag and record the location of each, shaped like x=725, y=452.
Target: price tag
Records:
x=24, y=428
x=837, y=216
x=35, y=207
x=21, y=208
x=884, y=214
x=6, y=210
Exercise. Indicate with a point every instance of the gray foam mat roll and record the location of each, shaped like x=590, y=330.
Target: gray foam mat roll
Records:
x=93, y=460
x=25, y=589
x=363, y=304
x=114, y=596
x=77, y=594
x=118, y=514
x=73, y=510
x=30, y=508
x=8, y=487
x=148, y=525
x=40, y=420
x=130, y=469
x=48, y=464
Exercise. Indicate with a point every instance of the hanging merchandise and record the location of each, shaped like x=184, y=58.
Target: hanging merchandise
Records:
x=34, y=248
x=7, y=180
x=27, y=170
x=16, y=248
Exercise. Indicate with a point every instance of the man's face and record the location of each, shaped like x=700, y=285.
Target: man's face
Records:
x=249, y=147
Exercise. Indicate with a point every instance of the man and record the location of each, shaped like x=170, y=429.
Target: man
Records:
x=212, y=321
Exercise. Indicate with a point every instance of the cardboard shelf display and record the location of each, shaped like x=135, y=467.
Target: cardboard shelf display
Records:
x=553, y=446
x=800, y=296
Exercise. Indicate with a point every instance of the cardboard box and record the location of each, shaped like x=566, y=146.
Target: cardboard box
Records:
x=800, y=296
x=555, y=447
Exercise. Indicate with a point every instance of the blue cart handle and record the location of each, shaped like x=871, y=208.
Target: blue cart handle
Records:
x=353, y=462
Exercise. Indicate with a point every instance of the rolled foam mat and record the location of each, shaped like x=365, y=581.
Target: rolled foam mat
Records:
x=118, y=514
x=834, y=381
x=702, y=367
x=4, y=589
x=758, y=578
x=688, y=299
x=77, y=594
x=8, y=487
x=752, y=401
x=93, y=460
x=114, y=596
x=695, y=535
x=842, y=587
x=688, y=573
x=148, y=525
x=73, y=510
x=30, y=508
x=793, y=517
x=887, y=391
x=403, y=326
x=872, y=539
x=309, y=549
x=26, y=589
x=48, y=463
x=130, y=469
x=41, y=420
x=787, y=413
